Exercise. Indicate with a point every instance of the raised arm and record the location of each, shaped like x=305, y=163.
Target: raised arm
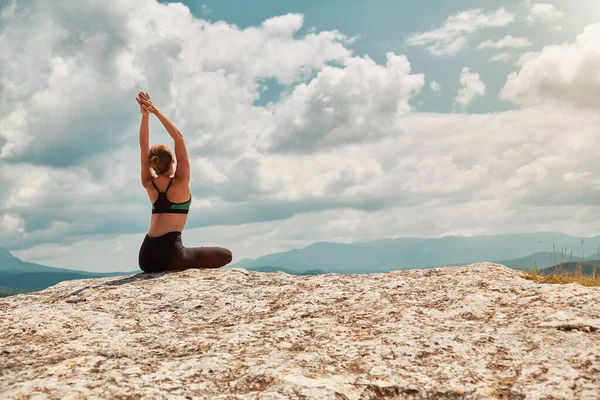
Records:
x=145, y=147
x=183, y=161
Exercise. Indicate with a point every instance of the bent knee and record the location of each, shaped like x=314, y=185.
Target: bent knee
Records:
x=227, y=256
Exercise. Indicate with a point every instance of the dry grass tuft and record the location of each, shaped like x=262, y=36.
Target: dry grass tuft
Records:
x=561, y=278
x=571, y=272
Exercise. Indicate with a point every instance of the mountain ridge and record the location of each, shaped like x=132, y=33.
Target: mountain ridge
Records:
x=421, y=253
x=18, y=276
x=375, y=256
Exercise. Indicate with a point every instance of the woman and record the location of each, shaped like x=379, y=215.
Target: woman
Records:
x=169, y=193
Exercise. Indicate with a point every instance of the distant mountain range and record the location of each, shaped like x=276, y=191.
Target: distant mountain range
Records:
x=518, y=251
x=17, y=276
x=541, y=260
x=588, y=268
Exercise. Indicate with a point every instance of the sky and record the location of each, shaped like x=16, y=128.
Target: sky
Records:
x=305, y=121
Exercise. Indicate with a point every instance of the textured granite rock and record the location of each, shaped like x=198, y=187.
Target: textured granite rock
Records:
x=472, y=332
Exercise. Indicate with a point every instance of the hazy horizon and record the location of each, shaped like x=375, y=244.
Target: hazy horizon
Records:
x=579, y=246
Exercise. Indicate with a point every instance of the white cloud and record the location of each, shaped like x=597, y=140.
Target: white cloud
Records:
x=205, y=9
x=436, y=87
x=454, y=33
x=346, y=174
x=268, y=51
x=544, y=12
x=207, y=171
x=507, y=42
x=559, y=73
x=358, y=103
x=10, y=226
x=525, y=57
x=501, y=57
x=48, y=71
x=471, y=87
x=8, y=10
x=285, y=25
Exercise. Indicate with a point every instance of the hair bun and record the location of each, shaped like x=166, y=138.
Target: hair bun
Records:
x=160, y=157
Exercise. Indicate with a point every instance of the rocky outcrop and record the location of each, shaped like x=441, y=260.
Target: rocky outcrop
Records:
x=478, y=331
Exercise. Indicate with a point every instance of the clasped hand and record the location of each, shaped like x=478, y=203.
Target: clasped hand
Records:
x=146, y=105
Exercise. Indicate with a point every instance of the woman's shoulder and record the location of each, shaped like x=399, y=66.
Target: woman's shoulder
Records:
x=181, y=186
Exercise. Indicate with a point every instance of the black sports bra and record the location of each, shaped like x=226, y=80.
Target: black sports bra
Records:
x=162, y=205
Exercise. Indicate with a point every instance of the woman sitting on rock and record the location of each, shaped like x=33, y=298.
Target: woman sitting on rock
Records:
x=162, y=249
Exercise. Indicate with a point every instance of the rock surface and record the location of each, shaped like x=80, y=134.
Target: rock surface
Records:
x=478, y=331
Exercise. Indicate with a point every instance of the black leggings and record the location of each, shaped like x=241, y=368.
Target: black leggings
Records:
x=167, y=253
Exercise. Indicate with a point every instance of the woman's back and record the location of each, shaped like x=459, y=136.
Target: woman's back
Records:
x=177, y=191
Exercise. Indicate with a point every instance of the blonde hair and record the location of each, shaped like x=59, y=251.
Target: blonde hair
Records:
x=160, y=158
